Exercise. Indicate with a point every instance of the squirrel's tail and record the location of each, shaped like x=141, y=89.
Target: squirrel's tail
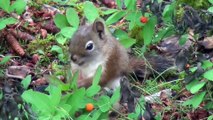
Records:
x=142, y=68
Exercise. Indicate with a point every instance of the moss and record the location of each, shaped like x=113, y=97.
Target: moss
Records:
x=136, y=34
x=41, y=45
x=196, y=4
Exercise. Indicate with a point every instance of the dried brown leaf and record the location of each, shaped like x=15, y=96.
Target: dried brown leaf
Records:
x=43, y=33
x=50, y=27
x=19, y=72
x=40, y=81
x=165, y=99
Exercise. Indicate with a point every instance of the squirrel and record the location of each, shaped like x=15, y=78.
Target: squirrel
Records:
x=93, y=45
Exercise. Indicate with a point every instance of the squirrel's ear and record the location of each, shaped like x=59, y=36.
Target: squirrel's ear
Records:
x=99, y=27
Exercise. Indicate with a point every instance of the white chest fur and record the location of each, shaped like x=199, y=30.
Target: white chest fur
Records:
x=88, y=70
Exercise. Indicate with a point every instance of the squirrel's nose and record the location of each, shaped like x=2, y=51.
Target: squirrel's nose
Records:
x=74, y=58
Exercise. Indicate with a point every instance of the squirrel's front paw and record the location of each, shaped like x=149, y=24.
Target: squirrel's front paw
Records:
x=84, y=83
x=81, y=83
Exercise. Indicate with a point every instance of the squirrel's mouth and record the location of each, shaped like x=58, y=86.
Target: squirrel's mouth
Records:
x=80, y=63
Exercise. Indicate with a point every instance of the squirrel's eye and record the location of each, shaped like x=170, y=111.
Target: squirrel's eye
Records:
x=89, y=46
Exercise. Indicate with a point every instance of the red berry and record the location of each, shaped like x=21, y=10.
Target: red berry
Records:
x=144, y=19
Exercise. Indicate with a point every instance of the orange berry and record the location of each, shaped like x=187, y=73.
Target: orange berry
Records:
x=144, y=19
x=187, y=66
x=89, y=107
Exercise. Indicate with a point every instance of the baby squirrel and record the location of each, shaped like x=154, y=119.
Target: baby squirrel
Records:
x=93, y=45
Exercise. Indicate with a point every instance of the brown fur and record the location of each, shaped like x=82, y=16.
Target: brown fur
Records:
x=117, y=63
x=115, y=56
x=152, y=65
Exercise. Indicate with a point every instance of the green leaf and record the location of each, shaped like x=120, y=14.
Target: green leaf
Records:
x=10, y=20
x=130, y=4
x=96, y=115
x=72, y=17
x=26, y=81
x=61, y=21
x=68, y=75
x=61, y=57
x=127, y=42
x=18, y=6
x=5, y=60
x=1, y=95
x=62, y=2
x=193, y=69
x=73, y=84
x=168, y=12
x=53, y=80
x=41, y=52
x=110, y=11
x=2, y=25
x=196, y=100
x=124, y=39
x=133, y=115
x=115, y=17
x=68, y=31
x=139, y=109
x=59, y=114
x=140, y=106
x=90, y=11
x=149, y=30
x=61, y=39
x=208, y=75
x=76, y=100
x=197, y=87
x=65, y=107
x=55, y=94
x=97, y=76
x=210, y=9
x=84, y=117
x=104, y=103
x=211, y=1
x=39, y=100
x=5, y=5
x=209, y=105
x=164, y=33
x=207, y=64
x=191, y=84
x=115, y=97
x=134, y=18
x=210, y=117
x=120, y=34
x=92, y=90
x=56, y=49
x=87, y=100
x=119, y=4
x=103, y=116
x=158, y=116
x=183, y=39
x=6, y=21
